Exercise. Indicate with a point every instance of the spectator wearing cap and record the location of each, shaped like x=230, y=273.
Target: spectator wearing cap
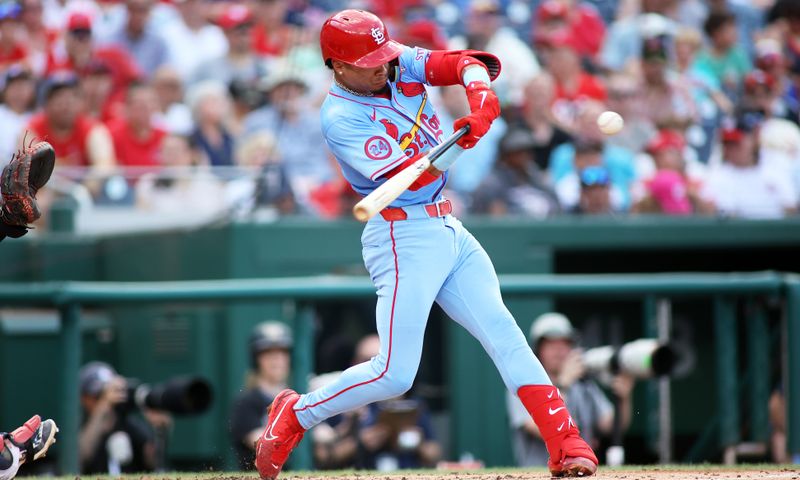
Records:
x=555, y=342
x=516, y=185
x=743, y=186
x=762, y=94
x=573, y=85
x=18, y=97
x=669, y=190
x=485, y=31
x=240, y=64
x=136, y=139
x=11, y=50
x=272, y=189
x=102, y=101
x=269, y=350
x=724, y=58
x=77, y=52
x=290, y=117
x=191, y=39
x=110, y=440
x=623, y=42
x=570, y=187
x=210, y=104
x=77, y=140
x=668, y=97
x=581, y=20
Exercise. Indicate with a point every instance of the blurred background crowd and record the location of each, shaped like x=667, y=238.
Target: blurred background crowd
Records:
x=207, y=108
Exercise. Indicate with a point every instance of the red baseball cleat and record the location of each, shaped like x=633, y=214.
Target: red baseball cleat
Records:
x=282, y=434
x=578, y=459
x=34, y=438
x=570, y=455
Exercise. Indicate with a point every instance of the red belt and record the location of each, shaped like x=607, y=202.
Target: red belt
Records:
x=433, y=210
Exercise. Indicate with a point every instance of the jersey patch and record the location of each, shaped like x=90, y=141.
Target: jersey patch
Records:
x=377, y=148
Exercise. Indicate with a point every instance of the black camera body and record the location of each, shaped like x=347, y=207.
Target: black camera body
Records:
x=185, y=395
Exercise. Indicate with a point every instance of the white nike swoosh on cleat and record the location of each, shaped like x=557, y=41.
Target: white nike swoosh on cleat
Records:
x=551, y=394
x=553, y=412
x=268, y=432
x=560, y=426
x=276, y=466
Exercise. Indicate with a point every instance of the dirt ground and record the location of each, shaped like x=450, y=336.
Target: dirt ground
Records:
x=627, y=473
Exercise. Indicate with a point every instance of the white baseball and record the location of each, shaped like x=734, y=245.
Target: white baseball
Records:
x=610, y=122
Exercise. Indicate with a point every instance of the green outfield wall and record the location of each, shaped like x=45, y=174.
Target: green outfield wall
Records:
x=151, y=342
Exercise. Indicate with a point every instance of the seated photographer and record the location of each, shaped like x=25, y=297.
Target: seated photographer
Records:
x=270, y=356
x=553, y=339
x=113, y=440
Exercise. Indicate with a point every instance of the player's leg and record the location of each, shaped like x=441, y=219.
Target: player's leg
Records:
x=27, y=443
x=408, y=262
x=471, y=296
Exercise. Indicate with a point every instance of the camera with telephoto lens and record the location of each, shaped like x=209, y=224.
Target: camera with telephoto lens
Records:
x=185, y=395
x=642, y=358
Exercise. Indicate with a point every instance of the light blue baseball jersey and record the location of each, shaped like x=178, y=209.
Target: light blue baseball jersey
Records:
x=370, y=136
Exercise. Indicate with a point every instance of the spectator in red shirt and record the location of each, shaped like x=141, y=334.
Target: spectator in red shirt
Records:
x=271, y=34
x=581, y=21
x=78, y=140
x=11, y=50
x=573, y=85
x=136, y=140
x=77, y=52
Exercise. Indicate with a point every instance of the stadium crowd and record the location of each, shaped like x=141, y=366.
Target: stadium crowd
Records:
x=206, y=105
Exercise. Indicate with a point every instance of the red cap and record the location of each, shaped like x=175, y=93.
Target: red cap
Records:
x=557, y=38
x=758, y=78
x=359, y=38
x=551, y=10
x=731, y=134
x=79, y=21
x=665, y=140
x=233, y=16
x=425, y=33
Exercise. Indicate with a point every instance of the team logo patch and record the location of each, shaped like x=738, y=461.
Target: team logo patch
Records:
x=377, y=148
x=377, y=35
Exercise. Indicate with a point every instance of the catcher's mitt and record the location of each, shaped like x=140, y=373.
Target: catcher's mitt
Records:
x=27, y=172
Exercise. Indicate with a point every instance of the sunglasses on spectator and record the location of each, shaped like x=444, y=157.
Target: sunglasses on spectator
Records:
x=81, y=34
x=594, y=176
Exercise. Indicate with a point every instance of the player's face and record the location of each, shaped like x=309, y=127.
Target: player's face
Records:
x=363, y=79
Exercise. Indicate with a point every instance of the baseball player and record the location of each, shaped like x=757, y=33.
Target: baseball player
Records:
x=27, y=443
x=377, y=119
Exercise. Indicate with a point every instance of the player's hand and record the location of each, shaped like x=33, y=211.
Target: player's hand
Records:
x=484, y=108
x=572, y=370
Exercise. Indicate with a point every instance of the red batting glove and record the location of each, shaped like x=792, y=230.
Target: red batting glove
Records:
x=484, y=107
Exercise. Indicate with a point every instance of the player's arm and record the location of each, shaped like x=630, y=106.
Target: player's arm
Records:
x=475, y=70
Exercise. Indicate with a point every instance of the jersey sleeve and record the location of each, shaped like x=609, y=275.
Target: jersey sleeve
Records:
x=412, y=63
x=364, y=147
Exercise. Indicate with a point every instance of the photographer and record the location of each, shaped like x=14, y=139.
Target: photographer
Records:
x=553, y=339
x=111, y=440
x=395, y=433
x=270, y=346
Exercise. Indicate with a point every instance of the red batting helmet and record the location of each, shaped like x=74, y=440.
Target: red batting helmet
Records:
x=359, y=38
